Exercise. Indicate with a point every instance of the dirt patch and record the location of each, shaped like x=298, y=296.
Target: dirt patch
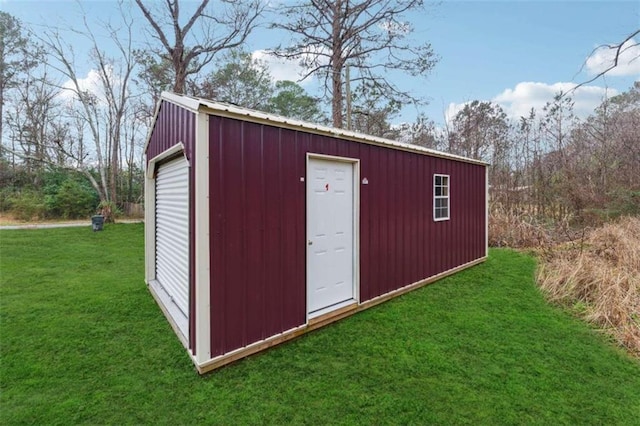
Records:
x=7, y=219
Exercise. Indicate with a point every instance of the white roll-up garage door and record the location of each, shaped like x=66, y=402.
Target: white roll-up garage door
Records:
x=172, y=231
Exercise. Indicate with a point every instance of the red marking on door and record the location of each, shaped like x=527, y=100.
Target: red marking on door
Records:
x=326, y=187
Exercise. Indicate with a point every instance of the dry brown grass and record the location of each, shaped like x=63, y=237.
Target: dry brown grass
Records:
x=517, y=229
x=601, y=277
x=522, y=228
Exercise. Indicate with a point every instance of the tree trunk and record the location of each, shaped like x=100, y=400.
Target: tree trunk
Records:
x=131, y=152
x=1, y=112
x=113, y=170
x=336, y=66
x=336, y=103
x=180, y=67
x=181, y=76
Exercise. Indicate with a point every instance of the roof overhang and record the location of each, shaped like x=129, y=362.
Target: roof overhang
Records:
x=201, y=105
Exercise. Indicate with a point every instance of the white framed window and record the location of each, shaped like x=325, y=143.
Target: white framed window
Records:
x=441, y=197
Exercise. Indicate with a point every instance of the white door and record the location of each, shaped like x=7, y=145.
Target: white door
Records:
x=330, y=233
x=172, y=232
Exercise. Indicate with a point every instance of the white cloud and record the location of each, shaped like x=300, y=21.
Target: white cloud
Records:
x=91, y=83
x=292, y=69
x=519, y=100
x=603, y=57
x=280, y=68
x=452, y=109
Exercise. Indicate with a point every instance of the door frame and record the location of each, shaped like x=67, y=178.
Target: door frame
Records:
x=355, y=163
x=150, y=210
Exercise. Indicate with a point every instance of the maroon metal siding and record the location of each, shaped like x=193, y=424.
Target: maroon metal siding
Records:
x=257, y=280
x=258, y=241
x=172, y=126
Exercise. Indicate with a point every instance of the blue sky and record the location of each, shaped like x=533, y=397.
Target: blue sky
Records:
x=516, y=53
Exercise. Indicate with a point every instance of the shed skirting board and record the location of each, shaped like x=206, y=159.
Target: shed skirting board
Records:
x=402, y=290
x=320, y=321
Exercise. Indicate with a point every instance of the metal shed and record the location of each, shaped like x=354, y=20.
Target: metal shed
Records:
x=261, y=228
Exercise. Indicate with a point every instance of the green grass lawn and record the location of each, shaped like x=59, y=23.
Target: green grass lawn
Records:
x=82, y=341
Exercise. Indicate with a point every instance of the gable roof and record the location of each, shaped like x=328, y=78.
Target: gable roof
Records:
x=201, y=105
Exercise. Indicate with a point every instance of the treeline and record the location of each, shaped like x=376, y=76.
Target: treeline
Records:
x=550, y=165
x=57, y=119
x=66, y=135
x=58, y=194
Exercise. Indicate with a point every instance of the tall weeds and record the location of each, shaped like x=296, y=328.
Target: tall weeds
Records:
x=516, y=230
x=601, y=277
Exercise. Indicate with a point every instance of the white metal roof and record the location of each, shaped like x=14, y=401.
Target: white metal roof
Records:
x=228, y=110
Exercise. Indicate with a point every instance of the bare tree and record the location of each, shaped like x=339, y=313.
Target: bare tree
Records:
x=617, y=49
x=370, y=36
x=422, y=132
x=605, y=156
x=154, y=75
x=101, y=108
x=17, y=56
x=31, y=117
x=226, y=28
x=479, y=131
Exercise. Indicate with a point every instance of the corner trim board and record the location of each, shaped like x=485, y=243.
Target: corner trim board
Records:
x=202, y=273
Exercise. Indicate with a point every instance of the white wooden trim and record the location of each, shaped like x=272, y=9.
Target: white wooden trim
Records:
x=149, y=227
x=486, y=211
x=187, y=102
x=174, y=316
x=448, y=197
x=356, y=229
x=331, y=158
x=355, y=162
x=174, y=150
x=202, y=273
x=324, y=311
x=150, y=210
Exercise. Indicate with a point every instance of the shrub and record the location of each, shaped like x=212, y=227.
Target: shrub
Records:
x=68, y=194
x=72, y=200
x=626, y=202
x=27, y=205
x=6, y=199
